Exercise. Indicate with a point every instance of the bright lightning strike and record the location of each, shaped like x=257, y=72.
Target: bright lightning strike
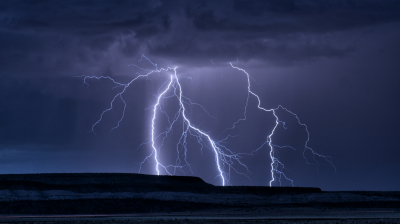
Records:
x=275, y=163
x=224, y=157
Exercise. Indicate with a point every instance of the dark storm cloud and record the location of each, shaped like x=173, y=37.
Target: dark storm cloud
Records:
x=74, y=36
x=280, y=17
x=84, y=36
x=82, y=17
x=273, y=30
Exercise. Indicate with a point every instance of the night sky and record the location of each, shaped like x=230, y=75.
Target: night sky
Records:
x=336, y=64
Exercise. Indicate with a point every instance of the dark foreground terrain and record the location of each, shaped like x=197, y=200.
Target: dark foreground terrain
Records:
x=198, y=221
x=136, y=198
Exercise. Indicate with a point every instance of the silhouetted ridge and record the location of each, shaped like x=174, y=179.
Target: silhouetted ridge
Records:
x=100, y=178
x=138, y=183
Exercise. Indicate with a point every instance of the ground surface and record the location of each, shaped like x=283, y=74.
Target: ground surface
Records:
x=255, y=215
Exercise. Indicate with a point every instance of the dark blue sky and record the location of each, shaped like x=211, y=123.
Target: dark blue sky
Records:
x=334, y=63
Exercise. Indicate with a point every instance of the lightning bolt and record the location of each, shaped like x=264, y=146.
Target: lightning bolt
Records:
x=224, y=157
x=275, y=163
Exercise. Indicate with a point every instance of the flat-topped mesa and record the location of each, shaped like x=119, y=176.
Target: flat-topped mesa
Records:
x=128, y=182
x=102, y=178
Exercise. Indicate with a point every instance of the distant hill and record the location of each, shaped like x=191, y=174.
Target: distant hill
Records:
x=103, y=178
x=139, y=183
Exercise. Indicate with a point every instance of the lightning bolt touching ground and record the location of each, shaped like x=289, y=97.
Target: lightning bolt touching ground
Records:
x=225, y=159
x=275, y=163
